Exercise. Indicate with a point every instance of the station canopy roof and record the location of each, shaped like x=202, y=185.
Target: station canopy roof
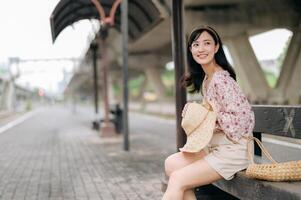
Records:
x=143, y=15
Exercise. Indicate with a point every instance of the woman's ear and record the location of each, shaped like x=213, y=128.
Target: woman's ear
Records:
x=216, y=48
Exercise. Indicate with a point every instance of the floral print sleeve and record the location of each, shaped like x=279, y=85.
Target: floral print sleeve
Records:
x=234, y=114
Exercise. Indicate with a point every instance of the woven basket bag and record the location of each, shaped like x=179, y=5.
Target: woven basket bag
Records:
x=285, y=171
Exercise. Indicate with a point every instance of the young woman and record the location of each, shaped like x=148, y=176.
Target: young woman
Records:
x=226, y=153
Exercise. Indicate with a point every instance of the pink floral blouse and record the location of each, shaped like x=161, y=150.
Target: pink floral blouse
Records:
x=234, y=115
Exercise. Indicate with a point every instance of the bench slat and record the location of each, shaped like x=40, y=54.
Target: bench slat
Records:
x=248, y=189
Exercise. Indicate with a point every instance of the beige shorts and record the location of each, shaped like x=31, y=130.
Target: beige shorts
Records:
x=226, y=157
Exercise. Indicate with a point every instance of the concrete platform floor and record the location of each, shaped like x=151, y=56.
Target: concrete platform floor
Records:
x=55, y=155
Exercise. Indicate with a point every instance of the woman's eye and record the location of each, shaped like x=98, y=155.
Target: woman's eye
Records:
x=195, y=45
x=207, y=43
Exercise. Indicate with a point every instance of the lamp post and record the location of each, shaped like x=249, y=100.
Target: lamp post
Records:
x=94, y=47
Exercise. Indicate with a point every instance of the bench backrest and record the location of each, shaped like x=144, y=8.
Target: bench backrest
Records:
x=278, y=120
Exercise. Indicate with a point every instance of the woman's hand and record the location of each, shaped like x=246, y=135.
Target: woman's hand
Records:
x=207, y=105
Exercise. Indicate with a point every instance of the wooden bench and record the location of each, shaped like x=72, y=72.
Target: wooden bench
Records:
x=270, y=122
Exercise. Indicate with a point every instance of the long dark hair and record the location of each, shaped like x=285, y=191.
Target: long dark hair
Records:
x=196, y=73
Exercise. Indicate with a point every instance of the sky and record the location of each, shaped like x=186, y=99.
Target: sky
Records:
x=269, y=45
x=25, y=33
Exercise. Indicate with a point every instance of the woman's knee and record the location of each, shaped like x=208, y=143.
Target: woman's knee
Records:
x=169, y=164
x=174, y=162
x=180, y=159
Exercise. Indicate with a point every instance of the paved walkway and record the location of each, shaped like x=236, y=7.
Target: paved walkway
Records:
x=54, y=155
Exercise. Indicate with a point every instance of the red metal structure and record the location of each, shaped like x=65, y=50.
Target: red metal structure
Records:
x=107, y=128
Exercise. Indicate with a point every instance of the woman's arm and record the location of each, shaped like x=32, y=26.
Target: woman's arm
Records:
x=235, y=116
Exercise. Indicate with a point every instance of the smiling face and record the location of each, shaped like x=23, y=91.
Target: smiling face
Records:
x=203, y=49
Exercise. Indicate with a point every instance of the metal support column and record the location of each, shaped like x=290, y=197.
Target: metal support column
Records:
x=124, y=28
x=178, y=52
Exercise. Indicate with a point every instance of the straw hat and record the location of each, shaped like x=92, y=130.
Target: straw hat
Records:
x=198, y=123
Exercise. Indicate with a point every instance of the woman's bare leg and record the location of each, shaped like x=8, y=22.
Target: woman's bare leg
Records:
x=179, y=160
x=195, y=174
x=189, y=195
